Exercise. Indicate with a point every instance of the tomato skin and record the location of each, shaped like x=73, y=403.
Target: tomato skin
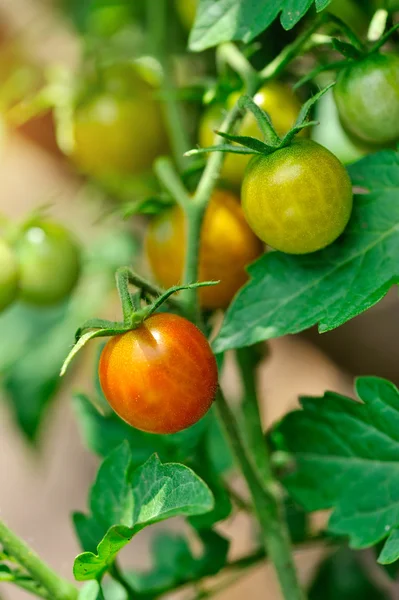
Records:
x=8, y=275
x=160, y=378
x=330, y=133
x=119, y=129
x=227, y=246
x=367, y=98
x=298, y=199
x=276, y=98
x=49, y=263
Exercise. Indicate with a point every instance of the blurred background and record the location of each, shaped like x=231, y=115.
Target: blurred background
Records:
x=47, y=49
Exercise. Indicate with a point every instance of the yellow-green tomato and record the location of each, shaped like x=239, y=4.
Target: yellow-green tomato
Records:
x=298, y=199
x=118, y=129
x=367, y=98
x=8, y=275
x=275, y=98
x=227, y=246
x=330, y=133
x=186, y=10
x=49, y=263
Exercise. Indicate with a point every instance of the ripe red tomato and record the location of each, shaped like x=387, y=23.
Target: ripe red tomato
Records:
x=297, y=199
x=118, y=128
x=227, y=246
x=161, y=377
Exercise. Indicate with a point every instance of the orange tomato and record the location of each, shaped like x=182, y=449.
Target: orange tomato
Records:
x=227, y=246
x=161, y=377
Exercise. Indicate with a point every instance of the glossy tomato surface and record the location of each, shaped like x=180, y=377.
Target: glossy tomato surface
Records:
x=118, y=128
x=228, y=245
x=8, y=275
x=367, y=97
x=49, y=263
x=330, y=133
x=298, y=199
x=276, y=98
x=161, y=377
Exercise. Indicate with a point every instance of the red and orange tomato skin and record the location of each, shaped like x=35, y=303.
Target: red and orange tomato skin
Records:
x=161, y=377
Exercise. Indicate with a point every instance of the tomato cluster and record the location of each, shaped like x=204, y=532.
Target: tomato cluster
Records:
x=41, y=266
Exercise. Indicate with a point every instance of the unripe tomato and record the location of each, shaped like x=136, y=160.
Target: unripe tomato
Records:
x=277, y=99
x=367, y=97
x=49, y=263
x=330, y=133
x=298, y=199
x=118, y=129
x=8, y=275
x=161, y=377
x=227, y=246
x=187, y=10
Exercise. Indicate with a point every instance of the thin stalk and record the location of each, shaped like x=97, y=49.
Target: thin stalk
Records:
x=158, y=20
x=57, y=587
x=267, y=507
x=247, y=360
x=31, y=587
x=170, y=180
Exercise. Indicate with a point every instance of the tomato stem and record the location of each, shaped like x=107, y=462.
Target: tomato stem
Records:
x=170, y=180
x=57, y=587
x=265, y=493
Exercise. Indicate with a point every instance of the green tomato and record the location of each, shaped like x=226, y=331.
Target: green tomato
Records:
x=367, y=98
x=118, y=129
x=297, y=199
x=330, y=133
x=49, y=263
x=8, y=275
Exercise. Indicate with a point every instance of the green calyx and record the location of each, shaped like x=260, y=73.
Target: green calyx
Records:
x=239, y=144
x=136, y=308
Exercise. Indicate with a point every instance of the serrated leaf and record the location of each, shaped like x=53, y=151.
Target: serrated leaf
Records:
x=227, y=20
x=162, y=491
x=111, y=499
x=159, y=491
x=287, y=293
x=93, y=566
x=347, y=459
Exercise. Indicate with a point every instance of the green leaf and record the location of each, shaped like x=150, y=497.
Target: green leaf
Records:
x=248, y=142
x=162, y=491
x=333, y=285
x=158, y=492
x=390, y=551
x=111, y=499
x=347, y=50
x=174, y=563
x=340, y=577
x=6, y=574
x=88, y=530
x=89, y=566
x=227, y=20
x=346, y=456
x=300, y=123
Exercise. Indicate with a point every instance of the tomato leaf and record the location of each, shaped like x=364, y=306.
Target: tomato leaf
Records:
x=346, y=456
x=227, y=20
x=347, y=50
x=331, y=286
x=341, y=576
x=155, y=492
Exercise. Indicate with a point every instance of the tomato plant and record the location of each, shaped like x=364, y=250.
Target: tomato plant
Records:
x=227, y=247
x=161, y=377
x=367, y=97
x=175, y=409
x=290, y=207
x=118, y=127
x=49, y=262
x=275, y=98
